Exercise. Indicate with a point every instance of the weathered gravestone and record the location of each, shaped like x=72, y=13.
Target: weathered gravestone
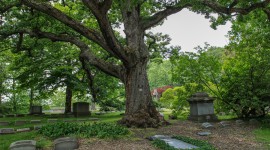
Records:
x=201, y=108
x=207, y=125
x=224, y=123
x=7, y=131
x=36, y=110
x=178, y=144
x=20, y=122
x=23, y=130
x=205, y=133
x=23, y=145
x=35, y=121
x=81, y=109
x=4, y=123
x=66, y=143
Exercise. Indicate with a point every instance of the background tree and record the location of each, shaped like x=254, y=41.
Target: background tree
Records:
x=92, y=22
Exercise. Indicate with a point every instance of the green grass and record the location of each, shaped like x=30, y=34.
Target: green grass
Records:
x=262, y=135
x=6, y=140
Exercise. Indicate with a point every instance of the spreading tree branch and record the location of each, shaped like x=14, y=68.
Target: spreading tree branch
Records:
x=100, y=10
x=91, y=34
x=90, y=57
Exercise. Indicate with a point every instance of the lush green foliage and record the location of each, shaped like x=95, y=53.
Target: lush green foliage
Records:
x=100, y=130
x=176, y=98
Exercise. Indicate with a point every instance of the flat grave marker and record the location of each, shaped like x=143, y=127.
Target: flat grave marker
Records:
x=21, y=122
x=23, y=145
x=66, y=143
x=7, y=131
x=4, y=123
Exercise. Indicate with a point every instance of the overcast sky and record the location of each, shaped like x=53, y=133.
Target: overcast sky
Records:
x=188, y=30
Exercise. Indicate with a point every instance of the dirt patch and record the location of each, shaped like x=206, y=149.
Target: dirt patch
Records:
x=233, y=137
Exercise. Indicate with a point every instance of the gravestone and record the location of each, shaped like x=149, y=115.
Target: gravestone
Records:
x=7, y=131
x=207, y=125
x=4, y=123
x=20, y=122
x=206, y=133
x=224, y=123
x=66, y=143
x=82, y=120
x=35, y=121
x=23, y=130
x=23, y=145
x=201, y=108
x=81, y=109
x=178, y=144
x=36, y=110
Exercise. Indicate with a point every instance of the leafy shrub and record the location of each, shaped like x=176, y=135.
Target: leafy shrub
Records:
x=100, y=130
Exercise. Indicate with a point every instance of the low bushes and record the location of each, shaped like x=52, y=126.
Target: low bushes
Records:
x=100, y=130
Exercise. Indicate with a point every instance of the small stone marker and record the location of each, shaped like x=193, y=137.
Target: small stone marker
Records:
x=35, y=121
x=207, y=125
x=66, y=143
x=204, y=133
x=178, y=144
x=69, y=120
x=52, y=120
x=23, y=145
x=239, y=122
x=4, y=123
x=7, y=131
x=23, y=130
x=20, y=122
x=224, y=123
x=37, y=127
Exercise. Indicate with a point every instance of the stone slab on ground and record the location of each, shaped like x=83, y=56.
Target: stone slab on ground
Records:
x=23, y=145
x=178, y=144
x=20, y=122
x=225, y=123
x=4, y=123
x=207, y=125
x=35, y=121
x=66, y=143
x=205, y=133
x=82, y=120
x=69, y=120
x=7, y=131
x=23, y=130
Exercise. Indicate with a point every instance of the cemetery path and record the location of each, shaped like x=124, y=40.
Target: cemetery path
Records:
x=233, y=137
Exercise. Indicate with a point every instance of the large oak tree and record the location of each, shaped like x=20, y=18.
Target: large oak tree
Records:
x=132, y=55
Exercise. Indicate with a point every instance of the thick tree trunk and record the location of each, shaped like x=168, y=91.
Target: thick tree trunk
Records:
x=68, y=100
x=140, y=110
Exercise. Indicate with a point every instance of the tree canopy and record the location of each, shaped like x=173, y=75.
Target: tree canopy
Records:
x=91, y=26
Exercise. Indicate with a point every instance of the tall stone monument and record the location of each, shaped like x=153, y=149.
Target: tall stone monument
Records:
x=36, y=110
x=81, y=109
x=201, y=108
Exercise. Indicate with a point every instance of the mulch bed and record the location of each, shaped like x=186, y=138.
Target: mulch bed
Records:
x=233, y=137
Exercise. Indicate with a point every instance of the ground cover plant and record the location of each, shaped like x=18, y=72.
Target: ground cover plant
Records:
x=99, y=130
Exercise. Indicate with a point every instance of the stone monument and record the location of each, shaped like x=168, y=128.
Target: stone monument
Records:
x=201, y=108
x=81, y=109
x=36, y=110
